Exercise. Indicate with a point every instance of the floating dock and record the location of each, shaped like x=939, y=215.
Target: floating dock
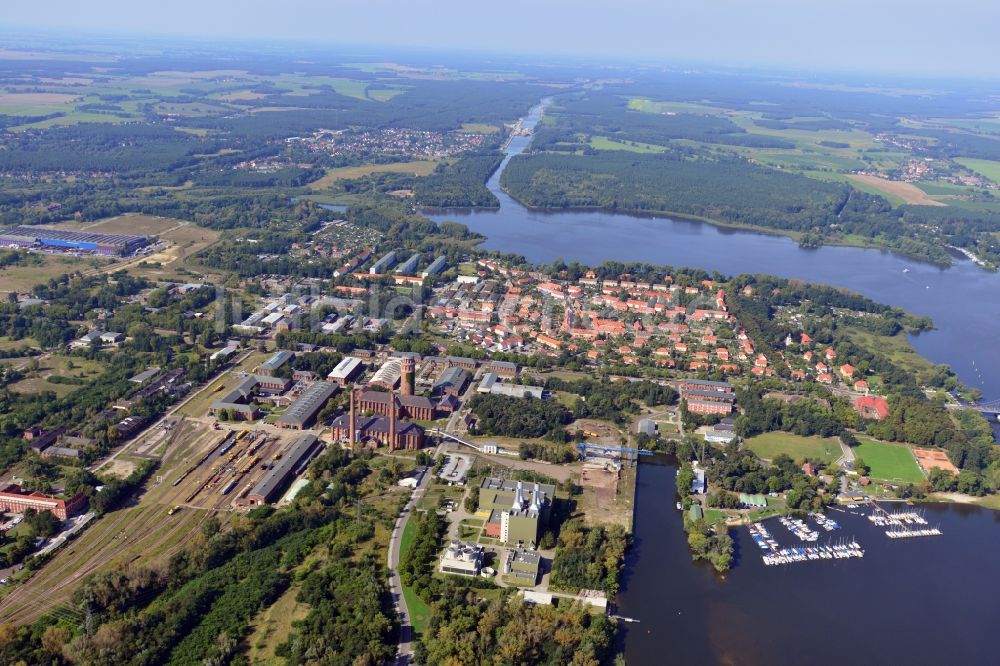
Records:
x=774, y=554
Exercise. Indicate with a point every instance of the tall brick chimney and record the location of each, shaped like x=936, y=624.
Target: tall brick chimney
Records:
x=352, y=423
x=392, y=421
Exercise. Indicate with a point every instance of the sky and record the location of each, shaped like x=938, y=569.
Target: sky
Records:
x=916, y=37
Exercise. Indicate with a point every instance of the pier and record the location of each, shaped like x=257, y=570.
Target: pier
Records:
x=774, y=554
x=901, y=524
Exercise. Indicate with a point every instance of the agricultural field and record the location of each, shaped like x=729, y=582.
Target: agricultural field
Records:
x=889, y=462
x=417, y=168
x=825, y=154
x=604, y=143
x=35, y=103
x=989, y=169
x=908, y=192
x=771, y=444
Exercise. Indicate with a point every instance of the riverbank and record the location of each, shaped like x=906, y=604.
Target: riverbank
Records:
x=853, y=241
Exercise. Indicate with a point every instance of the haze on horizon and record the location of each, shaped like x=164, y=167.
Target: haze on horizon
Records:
x=911, y=37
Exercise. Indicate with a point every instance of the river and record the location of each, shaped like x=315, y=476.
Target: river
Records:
x=930, y=600
x=963, y=301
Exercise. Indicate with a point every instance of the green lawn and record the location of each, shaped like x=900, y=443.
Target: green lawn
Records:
x=771, y=444
x=715, y=515
x=420, y=612
x=890, y=462
x=604, y=143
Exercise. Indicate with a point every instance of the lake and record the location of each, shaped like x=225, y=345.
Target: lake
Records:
x=916, y=601
x=930, y=600
x=963, y=301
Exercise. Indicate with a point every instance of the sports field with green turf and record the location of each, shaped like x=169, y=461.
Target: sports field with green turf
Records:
x=772, y=444
x=889, y=462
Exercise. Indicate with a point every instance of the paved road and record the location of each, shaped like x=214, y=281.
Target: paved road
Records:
x=404, y=654
x=846, y=460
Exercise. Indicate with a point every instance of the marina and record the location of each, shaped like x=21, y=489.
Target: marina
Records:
x=902, y=524
x=799, y=529
x=824, y=522
x=774, y=554
x=754, y=613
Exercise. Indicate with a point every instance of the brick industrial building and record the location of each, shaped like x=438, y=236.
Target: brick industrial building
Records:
x=15, y=500
x=388, y=430
x=292, y=463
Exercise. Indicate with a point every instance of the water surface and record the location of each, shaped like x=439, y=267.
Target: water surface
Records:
x=963, y=301
x=913, y=601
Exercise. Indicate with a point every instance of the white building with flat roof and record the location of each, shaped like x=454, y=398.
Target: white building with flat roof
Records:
x=462, y=558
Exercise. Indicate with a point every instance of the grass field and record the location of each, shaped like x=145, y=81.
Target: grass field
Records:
x=604, y=143
x=272, y=625
x=480, y=127
x=889, y=462
x=199, y=403
x=649, y=106
x=989, y=169
x=771, y=444
x=420, y=612
x=8, y=344
x=417, y=168
x=57, y=366
x=23, y=278
x=384, y=94
x=186, y=240
x=896, y=347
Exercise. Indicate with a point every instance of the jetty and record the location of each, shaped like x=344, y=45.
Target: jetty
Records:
x=902, y=524
x=774, y=554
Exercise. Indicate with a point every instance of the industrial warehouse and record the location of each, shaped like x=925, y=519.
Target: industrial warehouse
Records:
x=110, y=245
x=292, y=463
x=303, y=411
